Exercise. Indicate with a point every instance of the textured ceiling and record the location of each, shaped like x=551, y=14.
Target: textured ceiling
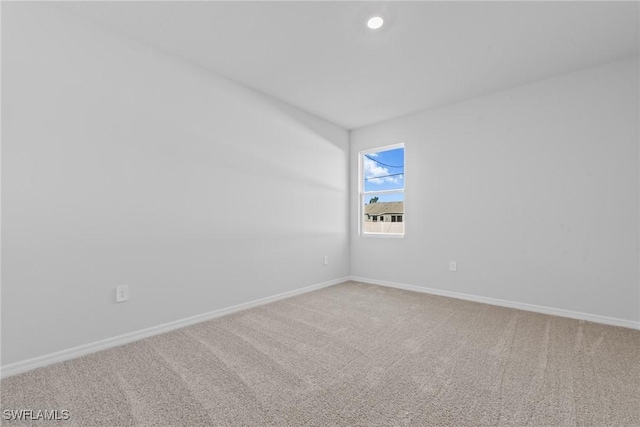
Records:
x=321, y=57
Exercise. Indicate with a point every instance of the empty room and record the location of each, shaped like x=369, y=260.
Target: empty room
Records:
x=320, y=213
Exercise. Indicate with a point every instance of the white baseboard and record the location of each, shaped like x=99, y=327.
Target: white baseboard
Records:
x=504, y=303
x=75, y=352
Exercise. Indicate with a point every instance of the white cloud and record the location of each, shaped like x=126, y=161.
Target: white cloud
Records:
x=373, y=169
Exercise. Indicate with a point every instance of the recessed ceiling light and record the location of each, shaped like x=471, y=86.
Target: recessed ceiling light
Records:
x=375, y=22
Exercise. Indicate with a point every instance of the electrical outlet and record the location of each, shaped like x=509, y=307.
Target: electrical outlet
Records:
x=325, y=260
x=453, y=266
x=122, y=293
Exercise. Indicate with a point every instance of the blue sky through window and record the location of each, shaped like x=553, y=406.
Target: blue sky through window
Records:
x=384, y=170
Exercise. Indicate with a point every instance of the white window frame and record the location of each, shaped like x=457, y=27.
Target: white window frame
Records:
x=362, y=194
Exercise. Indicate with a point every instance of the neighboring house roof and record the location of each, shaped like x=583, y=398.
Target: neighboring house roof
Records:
x=383, y=208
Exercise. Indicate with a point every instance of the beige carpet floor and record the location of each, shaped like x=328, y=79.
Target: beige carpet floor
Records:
x=353, y=355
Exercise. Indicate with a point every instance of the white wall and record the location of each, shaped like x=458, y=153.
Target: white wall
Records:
x=534, y=192
x=123, y=165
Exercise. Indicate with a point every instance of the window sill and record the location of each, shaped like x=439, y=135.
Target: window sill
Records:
x=382, y=235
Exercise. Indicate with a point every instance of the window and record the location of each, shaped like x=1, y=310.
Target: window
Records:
x=382, y=191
